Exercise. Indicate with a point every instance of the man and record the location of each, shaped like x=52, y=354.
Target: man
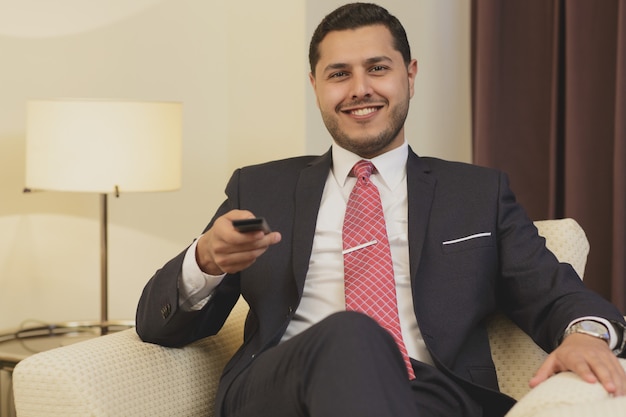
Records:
x=460, y=248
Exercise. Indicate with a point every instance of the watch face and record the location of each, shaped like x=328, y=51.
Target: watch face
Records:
x=593, y=328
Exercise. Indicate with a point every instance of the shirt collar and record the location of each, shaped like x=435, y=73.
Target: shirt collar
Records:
x=391, y=166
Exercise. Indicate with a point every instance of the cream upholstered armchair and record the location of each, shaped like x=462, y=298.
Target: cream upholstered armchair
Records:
x=118, y=375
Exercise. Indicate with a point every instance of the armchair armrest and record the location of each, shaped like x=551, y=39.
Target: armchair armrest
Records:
x=118, y=374
x=566, y=395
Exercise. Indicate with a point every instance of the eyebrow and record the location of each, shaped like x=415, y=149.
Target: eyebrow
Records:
x=368, y=61
x=377, y=59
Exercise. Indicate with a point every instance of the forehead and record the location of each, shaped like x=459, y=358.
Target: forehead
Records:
x=356, y=45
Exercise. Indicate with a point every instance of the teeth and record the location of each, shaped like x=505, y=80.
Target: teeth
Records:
x=363, y=112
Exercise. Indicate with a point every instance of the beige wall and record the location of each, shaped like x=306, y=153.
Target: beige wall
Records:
x=240, y=70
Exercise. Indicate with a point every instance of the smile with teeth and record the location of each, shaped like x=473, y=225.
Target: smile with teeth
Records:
x=363, y=112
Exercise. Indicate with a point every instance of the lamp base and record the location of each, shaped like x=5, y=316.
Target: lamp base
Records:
x=72, y=328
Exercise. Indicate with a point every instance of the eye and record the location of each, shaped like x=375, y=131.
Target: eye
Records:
x=378, y=68
x=338, y=74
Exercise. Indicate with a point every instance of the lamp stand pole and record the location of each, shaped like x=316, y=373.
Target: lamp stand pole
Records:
x=104, y=290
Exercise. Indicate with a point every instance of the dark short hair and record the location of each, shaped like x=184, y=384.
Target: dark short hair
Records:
x=354, y=16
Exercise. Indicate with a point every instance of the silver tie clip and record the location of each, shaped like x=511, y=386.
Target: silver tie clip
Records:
x=361, y=246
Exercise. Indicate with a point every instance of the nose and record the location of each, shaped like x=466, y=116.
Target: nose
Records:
x=361, y=86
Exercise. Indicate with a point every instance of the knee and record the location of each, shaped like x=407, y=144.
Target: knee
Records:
x=351, y=343
x=353, y=328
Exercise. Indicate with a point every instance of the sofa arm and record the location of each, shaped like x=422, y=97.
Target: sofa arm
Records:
x=566, y=395
x=118, y=375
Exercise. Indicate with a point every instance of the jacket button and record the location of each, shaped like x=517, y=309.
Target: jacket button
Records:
x=166, y=310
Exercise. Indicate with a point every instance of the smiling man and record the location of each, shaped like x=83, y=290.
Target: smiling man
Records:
x=370, y=296
x=363, y=86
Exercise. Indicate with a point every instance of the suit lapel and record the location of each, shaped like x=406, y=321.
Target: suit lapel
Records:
x=308, y=196
x=420, y=191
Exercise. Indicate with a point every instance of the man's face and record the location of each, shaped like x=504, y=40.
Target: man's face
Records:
x=363, y=89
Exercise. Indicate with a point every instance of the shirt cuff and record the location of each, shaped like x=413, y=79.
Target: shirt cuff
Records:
x=613, y=337
x=194, y=286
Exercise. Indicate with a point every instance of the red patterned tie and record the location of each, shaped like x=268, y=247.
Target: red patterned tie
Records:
x=370, y=285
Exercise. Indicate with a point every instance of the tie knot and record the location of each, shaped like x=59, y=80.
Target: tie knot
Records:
x=363, y=169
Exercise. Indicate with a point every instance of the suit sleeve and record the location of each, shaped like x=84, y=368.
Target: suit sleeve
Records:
x=160, y=319
x=540, y=294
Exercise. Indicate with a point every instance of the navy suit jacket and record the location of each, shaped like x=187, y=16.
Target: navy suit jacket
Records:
x=456, y=286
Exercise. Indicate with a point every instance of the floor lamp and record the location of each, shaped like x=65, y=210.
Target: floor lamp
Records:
x=104, y=147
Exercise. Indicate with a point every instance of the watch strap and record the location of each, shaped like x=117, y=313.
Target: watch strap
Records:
x=590, y=327
x=620, y=348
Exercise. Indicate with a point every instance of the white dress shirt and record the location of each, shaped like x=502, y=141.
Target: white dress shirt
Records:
x=324, y=286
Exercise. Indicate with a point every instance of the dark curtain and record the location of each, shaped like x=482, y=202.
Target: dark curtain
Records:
x=549, y=108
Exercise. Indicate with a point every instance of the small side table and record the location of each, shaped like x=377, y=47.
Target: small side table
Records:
x=18, y=344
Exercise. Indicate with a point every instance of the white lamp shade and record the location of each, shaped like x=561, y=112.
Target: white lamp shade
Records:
x=103, y=146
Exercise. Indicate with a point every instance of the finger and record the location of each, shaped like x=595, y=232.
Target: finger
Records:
x=246, y=239
x=249, y=246
x=227, y=239
x=238, y=261
x=250, y=241
x=583, y=369
x=216, y=244
x=241, y=252
x=609, y=372
x=596, y=363
x=223, y=248
x=545, y=371
x=238, y=214
x=620, y=380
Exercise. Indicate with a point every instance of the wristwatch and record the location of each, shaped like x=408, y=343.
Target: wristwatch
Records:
x=591, y=328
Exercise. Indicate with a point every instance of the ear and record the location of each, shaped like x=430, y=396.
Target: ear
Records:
x=412, y=70
x=312, y=81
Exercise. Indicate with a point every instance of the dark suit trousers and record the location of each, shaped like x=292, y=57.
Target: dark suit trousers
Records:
x=344, y=366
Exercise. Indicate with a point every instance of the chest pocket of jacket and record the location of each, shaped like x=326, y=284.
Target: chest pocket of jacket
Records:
x=478, y=240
